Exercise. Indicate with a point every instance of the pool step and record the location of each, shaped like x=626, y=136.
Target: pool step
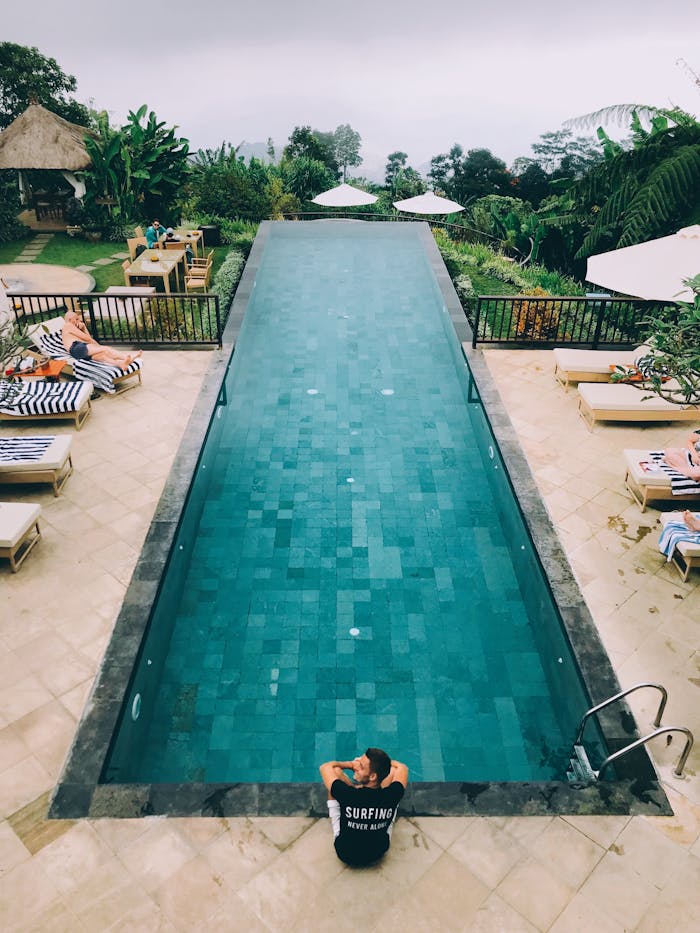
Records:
x=580, y=770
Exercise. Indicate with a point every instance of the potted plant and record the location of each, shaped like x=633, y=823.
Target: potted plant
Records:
x=74, y=213
x=93, y=223
x=13, y=343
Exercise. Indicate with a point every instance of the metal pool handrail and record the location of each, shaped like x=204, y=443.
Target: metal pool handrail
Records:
x=618, y=696
x=678, y=770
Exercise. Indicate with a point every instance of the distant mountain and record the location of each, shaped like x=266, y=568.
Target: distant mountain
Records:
x=254, y=150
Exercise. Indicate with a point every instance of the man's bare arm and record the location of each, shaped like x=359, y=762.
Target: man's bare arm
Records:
x=399, y=772
x=335, y=771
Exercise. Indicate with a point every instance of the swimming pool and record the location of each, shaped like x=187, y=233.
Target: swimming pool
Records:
x=352, y=567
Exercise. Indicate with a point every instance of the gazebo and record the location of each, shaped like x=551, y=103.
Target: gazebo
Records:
x=40, y=139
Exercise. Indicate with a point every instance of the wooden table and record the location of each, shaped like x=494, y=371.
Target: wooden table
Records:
x=193, y=237
x=49, y=371
x=144, y=267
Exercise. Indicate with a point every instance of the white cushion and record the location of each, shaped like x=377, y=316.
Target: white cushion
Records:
x=16, y=518
x=52, y=458
x=130, y=290
x=653, y=477
x=601, y=396
x=593, y=361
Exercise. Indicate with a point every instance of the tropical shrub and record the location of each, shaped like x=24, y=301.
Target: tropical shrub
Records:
x=644, y=192
x=231, y=189
x=464, y=287
x=10, y=227
x=674, y=343
x=140, y=168
x=469, y=258
x=305, y=177
x=13, y=343
x=537, y=319
x=227, y=278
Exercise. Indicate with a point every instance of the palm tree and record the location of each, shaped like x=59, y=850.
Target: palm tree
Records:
x=647, y=191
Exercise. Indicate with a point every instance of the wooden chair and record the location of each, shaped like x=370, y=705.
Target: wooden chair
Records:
x=198, y=277
x=138, y=231
x=174, y=244
x=133, y=242
x=204, y=261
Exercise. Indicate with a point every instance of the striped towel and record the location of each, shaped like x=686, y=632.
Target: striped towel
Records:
x=24, y=448
x=673, y=534
x=680, y=485
x=44, y=398
x=102, y=375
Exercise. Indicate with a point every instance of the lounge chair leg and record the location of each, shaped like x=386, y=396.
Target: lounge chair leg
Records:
x=24, y=548
x=629, y=485
x=681, y=564
x=60, y=481
x=585, y=415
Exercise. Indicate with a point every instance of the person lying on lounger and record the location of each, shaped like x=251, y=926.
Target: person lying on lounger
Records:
x=686, y=459
x=78, y=342
x=677, y=530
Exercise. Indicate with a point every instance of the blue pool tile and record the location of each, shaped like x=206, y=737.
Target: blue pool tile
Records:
x=291, y=556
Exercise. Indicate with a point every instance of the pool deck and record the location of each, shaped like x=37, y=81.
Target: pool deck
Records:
x=611, y=874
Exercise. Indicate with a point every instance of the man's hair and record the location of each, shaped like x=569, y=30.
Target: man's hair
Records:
x=379, y=763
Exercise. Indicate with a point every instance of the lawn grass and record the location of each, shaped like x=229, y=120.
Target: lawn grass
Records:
x=62, y=250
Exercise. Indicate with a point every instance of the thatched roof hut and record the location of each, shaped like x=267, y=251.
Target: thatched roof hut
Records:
x=40, y=139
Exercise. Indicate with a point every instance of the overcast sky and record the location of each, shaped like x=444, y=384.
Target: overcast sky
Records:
x=415, y=76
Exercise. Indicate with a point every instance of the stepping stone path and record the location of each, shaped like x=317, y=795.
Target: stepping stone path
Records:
x=32, y=250
x=105, y=261
x=34, y=247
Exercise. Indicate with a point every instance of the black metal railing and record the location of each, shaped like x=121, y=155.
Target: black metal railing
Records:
x=547, y=321
x=155, y=321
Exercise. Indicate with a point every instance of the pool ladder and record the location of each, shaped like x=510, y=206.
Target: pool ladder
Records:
x=580, y=769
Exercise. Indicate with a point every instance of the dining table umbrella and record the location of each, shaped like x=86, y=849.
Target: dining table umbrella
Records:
x=344, y=196
x=654, y=270
x=428, y=203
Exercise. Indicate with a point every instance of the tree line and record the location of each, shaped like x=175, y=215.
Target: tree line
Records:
x=575, y=195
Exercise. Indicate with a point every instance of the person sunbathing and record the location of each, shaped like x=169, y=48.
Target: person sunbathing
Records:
x=684, y=529
x=78, y=342
x=686, y=460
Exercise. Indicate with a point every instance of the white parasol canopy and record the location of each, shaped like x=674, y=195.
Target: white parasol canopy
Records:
x=344, y=196
x=653, y=270
x=429, y=203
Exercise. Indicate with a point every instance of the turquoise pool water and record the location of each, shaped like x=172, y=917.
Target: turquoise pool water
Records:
x=352, y=568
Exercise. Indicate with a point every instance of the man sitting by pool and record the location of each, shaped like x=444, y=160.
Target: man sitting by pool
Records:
x=78, y=342
x=362, y=811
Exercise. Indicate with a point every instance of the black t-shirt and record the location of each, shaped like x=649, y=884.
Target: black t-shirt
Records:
x=365, y=816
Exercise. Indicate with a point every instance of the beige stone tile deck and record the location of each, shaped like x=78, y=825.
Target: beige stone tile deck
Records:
x=569, y=874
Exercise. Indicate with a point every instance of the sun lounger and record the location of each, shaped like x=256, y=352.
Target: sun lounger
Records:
x=650, y=484
x=572, y=365
x=38, y=400
x=686, y=554
x=620, y=402
x=19, y=531
x=110, y=379
x=38, y=459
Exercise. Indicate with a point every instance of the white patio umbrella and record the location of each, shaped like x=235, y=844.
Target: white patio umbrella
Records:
x=344, y=196
x=653, y=270
x=429, y=203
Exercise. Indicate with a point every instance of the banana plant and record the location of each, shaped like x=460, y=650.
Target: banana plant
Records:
x=141, y=168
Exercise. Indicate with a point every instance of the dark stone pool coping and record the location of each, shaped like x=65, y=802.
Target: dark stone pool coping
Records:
x=79, y=793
